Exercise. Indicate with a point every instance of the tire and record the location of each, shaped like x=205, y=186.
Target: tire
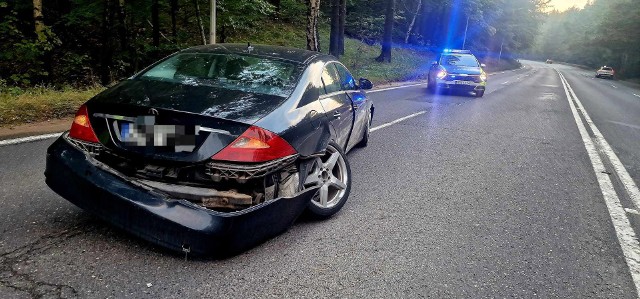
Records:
x=431, y=88
x=335, y=178
x=366, y=132
x=479, y=94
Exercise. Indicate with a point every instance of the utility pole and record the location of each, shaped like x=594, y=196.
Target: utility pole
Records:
x=212, y=29
x=466, y=28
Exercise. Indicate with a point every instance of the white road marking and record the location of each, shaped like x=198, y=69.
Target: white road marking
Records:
x=624, y=124
x=625, y=233
x=397, y=121
x=637, y=95
x=397, y=87
x=632, y=211
x=29, y=139
x=613, y=86
x=629, y=185
x=503, y=83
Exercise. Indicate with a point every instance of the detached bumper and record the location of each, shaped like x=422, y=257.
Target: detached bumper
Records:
x=171, y=223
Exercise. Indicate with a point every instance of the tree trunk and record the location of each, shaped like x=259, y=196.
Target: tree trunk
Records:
x=38, y=18
x=106, y=49
x=335, y=29
x=313, y=11
x=199, y=18
x=122, y=26
x=343, y=20
x=155, y=22
x=174, y=12
x=413, y=22
x=385, y=54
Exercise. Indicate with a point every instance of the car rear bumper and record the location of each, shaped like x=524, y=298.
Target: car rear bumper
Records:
x=172, y=223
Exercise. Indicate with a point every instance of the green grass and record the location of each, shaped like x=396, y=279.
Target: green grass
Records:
x=19, y=106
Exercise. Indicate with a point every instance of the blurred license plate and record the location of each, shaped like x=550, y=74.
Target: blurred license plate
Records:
x=144, y=132
x=460, y=82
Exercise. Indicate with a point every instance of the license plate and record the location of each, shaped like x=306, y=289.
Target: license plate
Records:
x=460, y=82
x=144, y=132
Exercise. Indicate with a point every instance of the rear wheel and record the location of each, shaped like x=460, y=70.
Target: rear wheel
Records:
x=333, y=174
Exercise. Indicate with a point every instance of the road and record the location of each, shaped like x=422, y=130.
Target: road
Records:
x=468, y=198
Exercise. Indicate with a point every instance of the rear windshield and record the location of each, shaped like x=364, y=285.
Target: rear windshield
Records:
x=607, y=69
x=229, y=71
x=459, y=60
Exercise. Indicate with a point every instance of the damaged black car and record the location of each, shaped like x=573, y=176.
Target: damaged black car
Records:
x=216, y=148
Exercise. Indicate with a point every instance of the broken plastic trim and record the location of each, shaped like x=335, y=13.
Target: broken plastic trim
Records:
x=245, y=172
x=92, y=149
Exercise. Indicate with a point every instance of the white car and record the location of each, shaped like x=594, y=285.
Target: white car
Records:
x=605, y=72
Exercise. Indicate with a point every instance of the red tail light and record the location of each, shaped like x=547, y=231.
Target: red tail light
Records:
x=255, y=145
x=81, y=128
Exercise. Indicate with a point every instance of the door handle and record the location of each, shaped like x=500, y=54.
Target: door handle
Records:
x=336, y=115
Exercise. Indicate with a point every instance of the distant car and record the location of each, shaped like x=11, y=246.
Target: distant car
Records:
x=605, y=72
x=457, y=70
x=549, y=61
x=216, y=148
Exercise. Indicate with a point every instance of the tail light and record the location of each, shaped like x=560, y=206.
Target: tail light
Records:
x=255, y=145
x=81, y=128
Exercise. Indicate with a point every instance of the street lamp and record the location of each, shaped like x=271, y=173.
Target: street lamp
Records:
x=212, y=29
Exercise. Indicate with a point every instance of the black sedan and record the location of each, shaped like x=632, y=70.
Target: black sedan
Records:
x=216, y=148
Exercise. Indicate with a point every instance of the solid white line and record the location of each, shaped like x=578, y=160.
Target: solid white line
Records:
x=29, y=139
x=397, y=87
x=628, y=183
x=625, y=233
x=397, y=121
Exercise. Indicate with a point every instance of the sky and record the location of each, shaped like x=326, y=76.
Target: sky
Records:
x=562, y=5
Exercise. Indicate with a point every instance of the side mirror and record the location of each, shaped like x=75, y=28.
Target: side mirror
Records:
x=483, y=65
x=365, y=84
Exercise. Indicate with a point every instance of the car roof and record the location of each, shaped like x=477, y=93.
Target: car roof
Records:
x=284, y=53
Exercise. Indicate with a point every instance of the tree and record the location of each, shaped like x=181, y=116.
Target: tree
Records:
x=313, y=36
x=334, y=37
x=38, y=18
x=387, y=40
x=199, y=19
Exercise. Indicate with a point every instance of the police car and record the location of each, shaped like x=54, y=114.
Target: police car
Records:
x=457, y=70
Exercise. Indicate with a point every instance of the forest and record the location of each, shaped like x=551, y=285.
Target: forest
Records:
x=605, y=32
x=80, y=43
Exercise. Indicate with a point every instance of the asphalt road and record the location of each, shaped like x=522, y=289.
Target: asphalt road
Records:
x=473, y=198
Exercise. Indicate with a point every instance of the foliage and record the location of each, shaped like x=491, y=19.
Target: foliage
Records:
x=606, y=32
x=88, y=42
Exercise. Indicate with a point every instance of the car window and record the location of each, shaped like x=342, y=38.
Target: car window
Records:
x=346, y=79
x=330, y=79
x=459, y=60
x=606, y=68
x=230, y=71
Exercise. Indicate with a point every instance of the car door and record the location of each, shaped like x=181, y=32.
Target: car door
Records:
x=337, y=105
x=358, y=100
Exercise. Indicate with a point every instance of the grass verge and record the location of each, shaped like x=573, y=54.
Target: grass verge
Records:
x=20, y=106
